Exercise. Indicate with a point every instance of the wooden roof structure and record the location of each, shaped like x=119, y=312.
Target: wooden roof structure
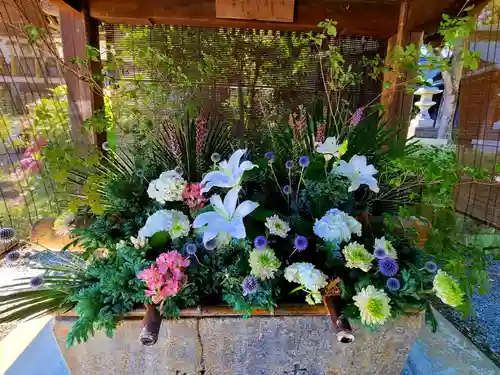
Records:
x=377, y=18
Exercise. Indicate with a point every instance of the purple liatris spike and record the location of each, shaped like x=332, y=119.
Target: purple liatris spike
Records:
x=201, y=133
x=393, y=284
x=260, y=242
x=304, y=161
x=174, y=145
x=300, y=243
x=388, y=267
x=250, y=285
x=358, y=115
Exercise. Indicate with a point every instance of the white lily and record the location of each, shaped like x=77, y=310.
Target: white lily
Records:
x=229, y=174
x=330, y=148
x=358, y=172
x=226, y=219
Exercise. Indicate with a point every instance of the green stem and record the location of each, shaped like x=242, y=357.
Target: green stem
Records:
x=298, y=187
x=277, y=183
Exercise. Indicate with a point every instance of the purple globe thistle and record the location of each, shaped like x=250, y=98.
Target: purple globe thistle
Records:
x=380, y=253
x=215, y=157
x=388, y=266
x=260, y=242
x=178, y=170
x=250, y=285
x=300, y=243
x=36, y=281
x=7, y=234
x=105, y=146
x=393, y=284
x=289, y=164
x=287, y=189
x=191, y=248
x=211, y=245
x=13, y=256
x=269, y=155
x=431, y=267
x=304, y=161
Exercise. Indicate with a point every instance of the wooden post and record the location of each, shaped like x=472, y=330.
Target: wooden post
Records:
x=96, y=71
x=395, y=98
x=73, y=43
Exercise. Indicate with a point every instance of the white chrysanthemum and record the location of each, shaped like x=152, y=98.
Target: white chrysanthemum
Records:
x=336, y=226
x=139, y=242
x=382, y=243
x=171, y=221
x=357, y=256
x=447, y=289
x=180, y=225
x=309, y=277
x=277, y=227
x=373, y=305
x=167, y=188
x=263, y=263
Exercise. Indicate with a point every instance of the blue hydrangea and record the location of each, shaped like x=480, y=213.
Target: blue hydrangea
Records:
x=388, y=267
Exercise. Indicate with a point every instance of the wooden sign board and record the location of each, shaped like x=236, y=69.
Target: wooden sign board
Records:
x=262, y=10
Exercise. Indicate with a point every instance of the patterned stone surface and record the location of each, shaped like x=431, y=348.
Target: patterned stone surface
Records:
x=235, y=346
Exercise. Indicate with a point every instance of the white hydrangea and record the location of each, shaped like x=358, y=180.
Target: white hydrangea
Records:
x=171, y=221
x=180, y=225
x=277, y=227
x=167, y=188
x=336, y=226
x=310, y=278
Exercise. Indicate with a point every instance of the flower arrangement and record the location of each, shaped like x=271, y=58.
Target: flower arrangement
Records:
x=279, y=227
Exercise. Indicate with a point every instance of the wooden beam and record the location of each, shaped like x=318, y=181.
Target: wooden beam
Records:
x=354, y=17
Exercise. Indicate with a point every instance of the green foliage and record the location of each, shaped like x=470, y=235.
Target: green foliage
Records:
x=429, y=178
x=19, y=300
x=114, y=291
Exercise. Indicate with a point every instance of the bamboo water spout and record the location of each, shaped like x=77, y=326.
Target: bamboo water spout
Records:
x=333, y=303
x=151, y=326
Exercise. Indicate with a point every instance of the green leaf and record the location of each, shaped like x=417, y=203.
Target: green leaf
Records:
x=387, y=85
x=159, y=239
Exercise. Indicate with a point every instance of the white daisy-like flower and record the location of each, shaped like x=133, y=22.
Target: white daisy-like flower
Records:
x=311, y=279
x=277, y=227
x=357, y=256
x=167, y=188
x=263, y=263
x=382, y=243
x=373, y=305
x=337, y=226
x=139, y=242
